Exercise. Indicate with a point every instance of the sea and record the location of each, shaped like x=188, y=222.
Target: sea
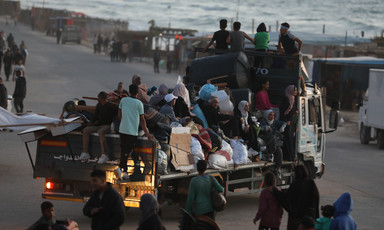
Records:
x=338, y=16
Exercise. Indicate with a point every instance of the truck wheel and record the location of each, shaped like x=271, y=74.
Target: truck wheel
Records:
x=380, y=139
x=364, y=134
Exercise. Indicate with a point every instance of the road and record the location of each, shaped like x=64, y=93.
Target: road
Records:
x=57, y=73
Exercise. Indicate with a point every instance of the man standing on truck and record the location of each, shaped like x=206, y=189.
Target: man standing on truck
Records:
x=101, y=123
x=236, y=38
x=131, y=114
x=287, y=41
x=287, y=45
x=106, y=206
x=220, y=37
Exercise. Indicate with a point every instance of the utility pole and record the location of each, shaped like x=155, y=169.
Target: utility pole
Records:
x=237, y=13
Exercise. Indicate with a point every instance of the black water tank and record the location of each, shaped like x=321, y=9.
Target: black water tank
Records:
x=235, y=65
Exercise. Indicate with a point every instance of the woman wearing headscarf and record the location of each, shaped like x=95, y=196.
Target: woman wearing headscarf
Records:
x=287, y=111
x=247, y=128
x=301, y=199
x=271, y=130
x=142, y=95
x=150, y=219
x=181, y=107
x=158, y=100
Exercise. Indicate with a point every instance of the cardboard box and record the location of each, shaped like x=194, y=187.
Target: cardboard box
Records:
x=180, y=143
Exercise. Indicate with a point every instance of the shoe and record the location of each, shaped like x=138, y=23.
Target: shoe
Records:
x=94, y=160
x=84, y=156
x=118, y=173
x=103, y=159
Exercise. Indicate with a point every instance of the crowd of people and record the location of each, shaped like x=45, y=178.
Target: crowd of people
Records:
x=13, y=59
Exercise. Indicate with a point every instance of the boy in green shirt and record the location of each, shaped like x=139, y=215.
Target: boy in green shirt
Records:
x=199, y=193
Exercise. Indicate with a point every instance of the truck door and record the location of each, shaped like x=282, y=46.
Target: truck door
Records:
x=308, y=135
x=315, y=119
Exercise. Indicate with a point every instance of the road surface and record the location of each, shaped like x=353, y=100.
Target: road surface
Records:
x=57, y=73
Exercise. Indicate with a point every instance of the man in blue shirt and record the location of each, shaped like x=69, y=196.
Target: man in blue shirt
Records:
x=131, y=114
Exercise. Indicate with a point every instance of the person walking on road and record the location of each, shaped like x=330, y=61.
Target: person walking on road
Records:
x=131, y=114
x=150, y=219
x=101, y=123
x=58, y=35
x=20, y=92
x=270, y=211
x=342, y=218
x=7, y=60
x=199, y=192
x=3, y=95
x=301, y=199
x=106, y=206
x=156, y=60
x=95, y=42
x=18, y=67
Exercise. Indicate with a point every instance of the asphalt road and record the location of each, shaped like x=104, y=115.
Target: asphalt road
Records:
x=57, y=73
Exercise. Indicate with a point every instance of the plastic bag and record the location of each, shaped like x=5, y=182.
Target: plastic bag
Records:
x=227, y=148
x=196, y=149
x=225, y=103
x=217, y=161
x=162, y=162
x=240, y=153
x=206, y=90
x=215, y=139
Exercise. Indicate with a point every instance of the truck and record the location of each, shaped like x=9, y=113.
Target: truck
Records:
x=71, y=33
x=371, y=112
x=69, y=179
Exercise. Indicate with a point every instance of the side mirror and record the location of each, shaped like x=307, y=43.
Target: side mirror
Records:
x=334, y=115
x=333, y=119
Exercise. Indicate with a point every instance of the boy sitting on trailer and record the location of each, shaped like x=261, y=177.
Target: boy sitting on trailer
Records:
x=101, y=123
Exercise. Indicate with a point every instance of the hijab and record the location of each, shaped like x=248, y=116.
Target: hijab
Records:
x=155, y=99
x=265, y=115
x=241, y=107
x=289, y=94
x=148, y=206
x=181, y=91
x=244, y=114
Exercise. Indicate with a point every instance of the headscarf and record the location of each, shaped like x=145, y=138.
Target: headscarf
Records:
x=289, y=94
x=241, y=108
x=136, y=79
x=148, y=206
x=181, y=91
x=265, y=115
x=155, y=99
x=244, y=114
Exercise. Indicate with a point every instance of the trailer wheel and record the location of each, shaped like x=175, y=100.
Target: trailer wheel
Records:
x=364, y=134
x=380, y=139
